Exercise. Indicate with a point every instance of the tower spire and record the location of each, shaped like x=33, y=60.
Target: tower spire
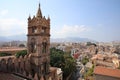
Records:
x=39, y=13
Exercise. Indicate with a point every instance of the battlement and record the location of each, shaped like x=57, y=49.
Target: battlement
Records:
x=15, y=65
x=22, y=67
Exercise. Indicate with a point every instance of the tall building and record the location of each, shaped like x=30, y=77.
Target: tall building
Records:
x=36, y=64
x=39, y=44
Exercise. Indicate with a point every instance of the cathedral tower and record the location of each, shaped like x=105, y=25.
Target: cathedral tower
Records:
x=39, y=44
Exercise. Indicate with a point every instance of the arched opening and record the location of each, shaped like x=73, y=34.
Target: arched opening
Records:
x=45, y=65
x=34, y=29
x=45, y=69
x=33, y=45
x=9, y=67
x=3, y=65
x=44, y=46
x=43, y=29
x=33, y=72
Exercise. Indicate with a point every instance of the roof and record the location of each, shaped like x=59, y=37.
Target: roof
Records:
x=76, y=55
x=11, y=49
x=107, y=71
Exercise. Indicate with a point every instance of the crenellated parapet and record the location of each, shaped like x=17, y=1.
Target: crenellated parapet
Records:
x=11, y=63
x=20, y=66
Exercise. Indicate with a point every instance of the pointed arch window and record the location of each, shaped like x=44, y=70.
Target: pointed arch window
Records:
x=44, y=46
x=33, y=45
x=43, y=30
x=34, y=29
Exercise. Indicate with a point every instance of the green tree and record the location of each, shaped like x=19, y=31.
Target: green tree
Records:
x=90, y=43
x=21, y=53
x=63, y=60
x=69, y=66
x=89, y=72
x=56, y=57
x=21, y=45
x=4, y=54
x=85, y=60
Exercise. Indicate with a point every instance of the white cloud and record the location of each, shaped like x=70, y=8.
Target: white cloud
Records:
x=10, y=27
x=69, y=31
x=3, y=12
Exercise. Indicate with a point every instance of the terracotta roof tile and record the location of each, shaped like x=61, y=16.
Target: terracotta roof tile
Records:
x=107, y=71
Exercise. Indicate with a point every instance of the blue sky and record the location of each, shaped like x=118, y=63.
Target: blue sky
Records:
x=94, y=19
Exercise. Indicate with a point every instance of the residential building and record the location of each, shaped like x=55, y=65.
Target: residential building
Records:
x=104, y=73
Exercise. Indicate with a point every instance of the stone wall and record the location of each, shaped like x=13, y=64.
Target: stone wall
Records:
x=20, y=66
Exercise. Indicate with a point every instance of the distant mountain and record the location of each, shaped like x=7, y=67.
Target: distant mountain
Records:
x=4, y=39
x=72, y=39
x=21, y=37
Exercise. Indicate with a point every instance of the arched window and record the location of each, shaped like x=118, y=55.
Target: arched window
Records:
x=3, y=65
x=33, y=72
x=43, y=29
x=9, y=64
x=45, y=68
x=44, y=46
x=34, y=29
x=33, y=45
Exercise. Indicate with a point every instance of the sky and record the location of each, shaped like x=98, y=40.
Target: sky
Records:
x=94, y=19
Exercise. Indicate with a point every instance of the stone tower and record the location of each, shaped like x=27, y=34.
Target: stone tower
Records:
x=39, y=44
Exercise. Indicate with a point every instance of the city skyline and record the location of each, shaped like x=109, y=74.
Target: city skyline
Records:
x=97, y=20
